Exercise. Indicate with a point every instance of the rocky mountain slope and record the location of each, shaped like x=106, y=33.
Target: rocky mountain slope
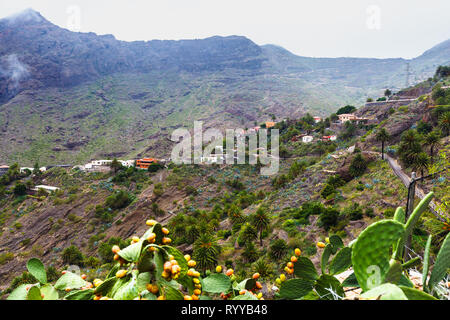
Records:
x=70, y=97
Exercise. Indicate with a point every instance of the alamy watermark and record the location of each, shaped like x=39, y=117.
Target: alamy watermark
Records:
x=239, y=147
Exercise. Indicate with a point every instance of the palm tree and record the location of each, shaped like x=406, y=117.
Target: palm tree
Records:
x=432, y=140
x=261, y=221
x=382, y=136
x=421, y=162
x=206, y=251
x=444, y=122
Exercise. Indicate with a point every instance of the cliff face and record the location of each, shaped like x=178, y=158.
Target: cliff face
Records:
x=36, y=53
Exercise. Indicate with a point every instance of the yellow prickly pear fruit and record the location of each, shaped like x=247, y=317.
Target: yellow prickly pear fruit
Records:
x=219, y=269
x=151, y=223
x=298, y=252
x=321, y=244
x=121, y=273
x=187, y=257
x=282, y=277
x=192, y=263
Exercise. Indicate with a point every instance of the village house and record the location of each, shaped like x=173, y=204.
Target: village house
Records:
x=307, y=139
x=270, y=124
x=351, y=117
x=346, y=117
x=317, y=119
x=46, y=188
x=145, y=163
x=329, y=138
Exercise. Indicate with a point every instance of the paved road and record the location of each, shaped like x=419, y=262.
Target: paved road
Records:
x=406, y=179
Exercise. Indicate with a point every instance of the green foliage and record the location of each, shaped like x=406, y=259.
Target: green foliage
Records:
x=206, y=251
x=72, y=255
x=346, y=109
x=278, y=249
x=358, y=166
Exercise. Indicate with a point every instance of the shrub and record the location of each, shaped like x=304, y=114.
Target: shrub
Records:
x=358, y=166
x=6, y=257
x=72, y=255
x=118, y=200
x=20, y=189
x=353, y=212
x=190, y=190
x=278, y=249
x=327, y=191
x=328, y=218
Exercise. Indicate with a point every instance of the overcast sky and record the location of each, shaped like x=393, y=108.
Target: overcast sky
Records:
x=320, y=28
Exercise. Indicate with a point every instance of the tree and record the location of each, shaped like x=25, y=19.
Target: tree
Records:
x=250, y=254
x=387, y=93
x=115, y=165
x=444, y=123
x=264, y=268
x=346, y=109
x=20, y=189
x=261, y=221
x=409, y=147
x=421, y=162
x=72, y=255
x=358, y=166
x=432, y=140
x=383, y=137
x=278, y=249
x=206, y=251
x=36, y=169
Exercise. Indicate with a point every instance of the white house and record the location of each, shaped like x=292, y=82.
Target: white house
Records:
x=307, y=139
x=127, y=163
x=46, y=188
x=317, y=119
x=333, y=137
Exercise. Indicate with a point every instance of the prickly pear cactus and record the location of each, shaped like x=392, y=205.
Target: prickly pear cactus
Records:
x=371, y=252
x=412, y=220
x=442, y=263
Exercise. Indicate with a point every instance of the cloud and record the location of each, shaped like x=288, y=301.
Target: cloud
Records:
x=25, y=16
x=12, y=69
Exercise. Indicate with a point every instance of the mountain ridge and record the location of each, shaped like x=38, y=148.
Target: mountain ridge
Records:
x=71, y=97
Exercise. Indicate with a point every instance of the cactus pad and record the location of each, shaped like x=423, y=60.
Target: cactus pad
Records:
x=370, y=252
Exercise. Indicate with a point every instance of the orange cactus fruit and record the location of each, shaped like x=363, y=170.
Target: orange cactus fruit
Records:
x=150, y=223
x=166, y=240
x=186, y=297
x=229, y=272
x=187, y=257
x=192, y=263
x=256, y=276
x=197, y=292
x=115, y=249
x=294, y=259
x=321, y=244
x=165, y=231
x=151, y=237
